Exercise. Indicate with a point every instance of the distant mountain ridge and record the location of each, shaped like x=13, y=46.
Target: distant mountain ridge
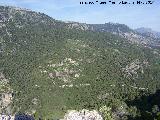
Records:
x=148, y=32
x=141, y=36
x=119, y=29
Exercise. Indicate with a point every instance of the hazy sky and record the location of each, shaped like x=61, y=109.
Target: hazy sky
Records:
x=70, y=10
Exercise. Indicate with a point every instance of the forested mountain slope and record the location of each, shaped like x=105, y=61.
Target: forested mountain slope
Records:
x=49, y=68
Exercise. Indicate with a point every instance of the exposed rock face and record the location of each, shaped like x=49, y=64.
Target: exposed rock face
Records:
x=6, y=99
x=5, y=95
x=133, y=67
x=82, y=115
x=65, y=70
x=80, y=26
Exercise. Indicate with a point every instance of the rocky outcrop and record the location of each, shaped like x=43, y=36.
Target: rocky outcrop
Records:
x=132, y=69
x=82, y=115
x=5, y=95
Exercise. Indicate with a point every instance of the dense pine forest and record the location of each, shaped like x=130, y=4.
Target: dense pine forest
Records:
x=50, y=68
